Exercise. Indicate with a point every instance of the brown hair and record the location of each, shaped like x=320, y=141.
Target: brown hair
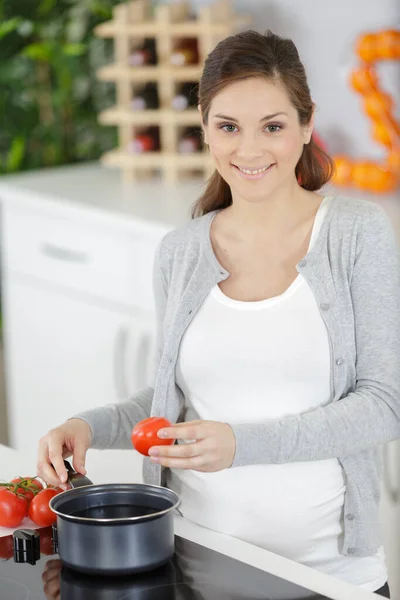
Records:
x=252, y=54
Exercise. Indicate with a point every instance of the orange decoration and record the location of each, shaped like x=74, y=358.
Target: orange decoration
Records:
x=377, y=103
x=360, y=174
x=343, y=170
x=388, y=44
x=370, y=176
x=381, y=179
x=379, y=107
x=382, y=134
x=393, y=161
x=363, y=80
x=366, y=47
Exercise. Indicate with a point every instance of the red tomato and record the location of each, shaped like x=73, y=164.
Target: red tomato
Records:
x=12, y=508
x=6, y=547
x=39, y=509
x=46, y=541
x=27, y=482
x=144, y=434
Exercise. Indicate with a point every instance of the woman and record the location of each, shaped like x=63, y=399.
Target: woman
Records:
x=278, y=314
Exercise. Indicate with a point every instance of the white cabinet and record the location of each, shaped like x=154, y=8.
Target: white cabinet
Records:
x=66, y=354
x=390, y=514
x=78, y=313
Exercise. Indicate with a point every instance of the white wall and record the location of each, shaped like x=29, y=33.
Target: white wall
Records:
x=324, y=33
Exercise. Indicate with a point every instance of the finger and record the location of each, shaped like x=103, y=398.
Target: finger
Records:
x=54, y=563
x=50, y=575
x=183, y=431
x=55, y=447
x=52, y=589
x=184, y=423
x=195, y=464
x=44, y=468
x=178, y=450
x=51, y=570
x=79, y=457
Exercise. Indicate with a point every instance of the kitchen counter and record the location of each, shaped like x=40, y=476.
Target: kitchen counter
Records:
x=15, y=463
x=93, y=188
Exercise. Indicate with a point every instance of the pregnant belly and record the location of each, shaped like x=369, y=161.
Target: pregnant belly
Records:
x=293, y=509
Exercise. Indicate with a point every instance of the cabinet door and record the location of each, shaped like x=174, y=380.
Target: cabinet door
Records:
x=65, y=354
x=390, y=513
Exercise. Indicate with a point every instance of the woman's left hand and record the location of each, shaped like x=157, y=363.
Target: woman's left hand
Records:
x=213, y=448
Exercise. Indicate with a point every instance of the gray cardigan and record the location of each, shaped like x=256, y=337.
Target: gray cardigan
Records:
x=354, y=272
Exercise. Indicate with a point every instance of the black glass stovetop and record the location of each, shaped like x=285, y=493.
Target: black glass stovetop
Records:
x=194, y=573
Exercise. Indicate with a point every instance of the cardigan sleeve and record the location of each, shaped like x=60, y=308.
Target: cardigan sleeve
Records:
x=370, y=415
x=112, y=424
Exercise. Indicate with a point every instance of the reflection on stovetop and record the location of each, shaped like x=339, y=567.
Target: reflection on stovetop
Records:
x=195, y=573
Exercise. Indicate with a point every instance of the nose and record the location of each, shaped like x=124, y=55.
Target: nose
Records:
x=249, y=147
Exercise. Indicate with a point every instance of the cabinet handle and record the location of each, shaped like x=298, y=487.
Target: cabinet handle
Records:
x=392, y=490
x=121, y=342
x=59, y=253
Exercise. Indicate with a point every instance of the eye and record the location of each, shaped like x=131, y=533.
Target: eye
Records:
x=277, y=127
x=226, y=125
x=272, y=127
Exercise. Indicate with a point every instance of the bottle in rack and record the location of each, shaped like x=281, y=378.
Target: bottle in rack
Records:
x=165, y=43
x=145, y=141
x=186, y=96
x=190, y=141
x=146, y=55
x=147, y=98
x=185, y=53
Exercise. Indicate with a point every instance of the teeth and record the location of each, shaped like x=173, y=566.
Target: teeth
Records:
x=254, y=172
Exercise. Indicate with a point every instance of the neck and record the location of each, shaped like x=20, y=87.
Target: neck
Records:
x=275, y=213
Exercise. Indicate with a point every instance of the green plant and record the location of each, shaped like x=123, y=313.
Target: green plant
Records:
x=49, y=95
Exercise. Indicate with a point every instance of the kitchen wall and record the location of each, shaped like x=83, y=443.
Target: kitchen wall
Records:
x=324, y=33
x=3, y=405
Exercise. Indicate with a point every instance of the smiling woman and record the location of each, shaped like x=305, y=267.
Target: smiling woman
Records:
x=258, y=116
x=278, y=319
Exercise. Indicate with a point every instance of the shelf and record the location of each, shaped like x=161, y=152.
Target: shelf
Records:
x=120, y=116
x=116, y=72
x=137, y=20
x=155, y=28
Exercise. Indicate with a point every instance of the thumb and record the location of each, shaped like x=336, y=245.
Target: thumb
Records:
x=79, y=457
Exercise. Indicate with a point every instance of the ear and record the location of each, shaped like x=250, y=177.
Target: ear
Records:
x=310, y=127
x=204, y=128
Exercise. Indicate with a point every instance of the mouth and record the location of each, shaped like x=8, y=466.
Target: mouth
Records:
x=253, y=173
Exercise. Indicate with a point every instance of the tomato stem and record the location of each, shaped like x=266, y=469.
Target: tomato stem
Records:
x=26, y=484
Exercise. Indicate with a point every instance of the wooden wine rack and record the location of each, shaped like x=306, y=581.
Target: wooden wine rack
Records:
x=133, y=22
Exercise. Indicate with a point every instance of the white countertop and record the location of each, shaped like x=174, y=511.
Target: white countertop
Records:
x=93, y=188
x=14, y=463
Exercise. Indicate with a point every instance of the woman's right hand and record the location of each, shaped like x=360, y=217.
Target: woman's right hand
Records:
x=72, y=438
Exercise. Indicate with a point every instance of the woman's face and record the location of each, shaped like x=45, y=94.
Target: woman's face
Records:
x=252, y=126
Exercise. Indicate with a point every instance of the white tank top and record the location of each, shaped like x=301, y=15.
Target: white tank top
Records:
x=248, y=362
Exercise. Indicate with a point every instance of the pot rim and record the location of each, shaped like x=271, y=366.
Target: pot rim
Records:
x=75, y=492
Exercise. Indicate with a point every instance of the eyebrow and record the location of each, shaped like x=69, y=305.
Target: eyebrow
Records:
x=266, y=118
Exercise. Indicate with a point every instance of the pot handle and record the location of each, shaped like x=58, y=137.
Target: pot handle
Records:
x=76, y=479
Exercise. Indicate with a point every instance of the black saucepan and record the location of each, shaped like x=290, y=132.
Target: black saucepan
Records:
x=114, y=528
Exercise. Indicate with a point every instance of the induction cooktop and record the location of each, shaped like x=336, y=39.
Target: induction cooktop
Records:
x=194, y=573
